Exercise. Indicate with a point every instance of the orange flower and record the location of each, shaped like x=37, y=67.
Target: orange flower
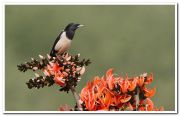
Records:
x=149, y=79
x=115, y=93
x=110, y=79
x=87, y=96
x=98, y=86
x=149, y=104
x=56, y=67
x=124, y=85
x=146, y=105
x=59, y=80
x=125, y=98
x=132, y=84
x=140, y=81
x=96, y=80
x=109, y=72
x=46, y=72
x=90, y=103
x=84, y=91
x=141, y=108
x=51, y=69
x=149, y=92
x=105, y=100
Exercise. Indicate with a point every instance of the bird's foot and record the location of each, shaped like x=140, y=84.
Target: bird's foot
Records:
x=59, y=56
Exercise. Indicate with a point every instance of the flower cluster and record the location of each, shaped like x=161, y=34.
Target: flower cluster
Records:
x=118, y=93
x=109, y=92
x=64, y=70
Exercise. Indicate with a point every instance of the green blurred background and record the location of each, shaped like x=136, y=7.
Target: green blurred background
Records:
x=131, y=39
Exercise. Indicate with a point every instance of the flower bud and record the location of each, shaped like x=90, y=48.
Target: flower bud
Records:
x=35, y=68
x=82, y=71
x=68, y=58
x=41, y=57
x=48, y=56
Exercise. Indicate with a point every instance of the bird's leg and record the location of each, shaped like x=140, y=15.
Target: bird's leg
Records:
x=64, y=54
x=58, y=56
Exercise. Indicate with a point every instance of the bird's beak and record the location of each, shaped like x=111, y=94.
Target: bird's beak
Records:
x=80, y=26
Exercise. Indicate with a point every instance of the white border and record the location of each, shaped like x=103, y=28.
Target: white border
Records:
x=3, y=58
x=85, y=3
x=91, y=112
x=176, y=63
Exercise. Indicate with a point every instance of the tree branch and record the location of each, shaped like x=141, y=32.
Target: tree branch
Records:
x=76, y=96
x=137, y=99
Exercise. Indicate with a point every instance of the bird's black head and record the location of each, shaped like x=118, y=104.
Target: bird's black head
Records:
x=71, y=28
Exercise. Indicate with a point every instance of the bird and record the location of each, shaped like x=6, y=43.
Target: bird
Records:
x=64, y=39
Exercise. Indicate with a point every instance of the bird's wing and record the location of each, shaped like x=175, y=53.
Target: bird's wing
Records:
x=53, y=51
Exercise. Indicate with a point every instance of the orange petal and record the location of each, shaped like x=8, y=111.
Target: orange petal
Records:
x=132, y=84
x=149, y=79
x=103, y=109
x=140, y=81
x=89, y=85
x=149, y=92
x=83, y=94
x=56, y=67
x=101, y=102
x=65, y=74
x=59, y=80
x=150, y=104
x=125, y=98
x=90, y=103
x=96, y=80
x=109, y=72
x=100, y=89
x=110, y=82
x=141, y=108
x=107, y=98
x=124, y=86
x=110, y=79
x=116, y=99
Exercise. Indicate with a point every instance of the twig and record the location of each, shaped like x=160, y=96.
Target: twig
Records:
x=146, y=106
x=76, y=96
x=137, y=99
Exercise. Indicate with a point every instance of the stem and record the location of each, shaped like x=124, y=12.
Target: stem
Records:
x=76, y=96
x=137, y=99
x=146, y=106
